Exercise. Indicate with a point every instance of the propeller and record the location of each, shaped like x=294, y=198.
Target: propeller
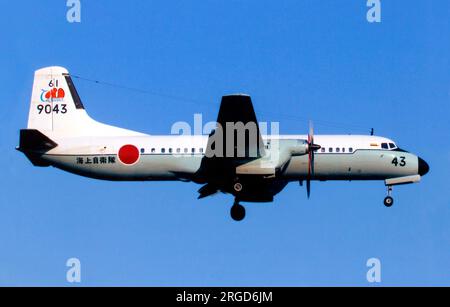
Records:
x=312, y=148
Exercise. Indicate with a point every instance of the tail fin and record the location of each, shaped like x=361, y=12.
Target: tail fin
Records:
x=56, y=108
x=55, y=103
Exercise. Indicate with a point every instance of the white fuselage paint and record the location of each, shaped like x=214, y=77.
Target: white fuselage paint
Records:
x=342, y=157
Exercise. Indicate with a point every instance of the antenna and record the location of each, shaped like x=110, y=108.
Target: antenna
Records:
x=371, y=131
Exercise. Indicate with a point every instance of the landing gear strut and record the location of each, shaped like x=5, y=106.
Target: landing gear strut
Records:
x=237, y=211
x=389, y=201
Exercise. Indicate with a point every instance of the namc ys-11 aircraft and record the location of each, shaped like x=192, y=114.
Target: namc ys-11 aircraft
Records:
x=250, y=166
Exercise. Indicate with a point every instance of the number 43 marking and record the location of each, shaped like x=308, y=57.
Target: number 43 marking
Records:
x=401, y=163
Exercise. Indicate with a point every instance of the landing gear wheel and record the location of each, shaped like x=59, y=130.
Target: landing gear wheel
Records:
x=237, y=212
x=237, y=187
x=388, y=201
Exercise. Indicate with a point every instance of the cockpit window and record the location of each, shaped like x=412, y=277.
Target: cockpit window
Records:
x=392, y=145
x=384, y=146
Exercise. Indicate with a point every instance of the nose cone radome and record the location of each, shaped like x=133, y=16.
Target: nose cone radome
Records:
x=423, y=167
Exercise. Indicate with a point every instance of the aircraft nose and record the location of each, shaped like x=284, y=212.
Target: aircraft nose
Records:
x=423, y=167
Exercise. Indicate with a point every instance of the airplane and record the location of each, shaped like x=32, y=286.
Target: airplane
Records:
x=250, y=166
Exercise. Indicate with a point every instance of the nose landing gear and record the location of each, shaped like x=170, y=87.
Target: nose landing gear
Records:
x=388, y=200
x=237, y=211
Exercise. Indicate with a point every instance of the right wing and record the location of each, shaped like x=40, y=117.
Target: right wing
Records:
x=236, y=140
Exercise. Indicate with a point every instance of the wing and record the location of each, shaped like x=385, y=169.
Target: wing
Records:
x=235, y=141
x=237, y=120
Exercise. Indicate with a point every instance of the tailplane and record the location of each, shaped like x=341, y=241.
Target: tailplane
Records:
x=34, y=144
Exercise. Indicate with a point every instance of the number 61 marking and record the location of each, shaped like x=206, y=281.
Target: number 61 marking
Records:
x=401, y=163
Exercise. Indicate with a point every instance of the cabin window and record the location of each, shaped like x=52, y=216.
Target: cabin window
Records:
x=343, y=149
x=322, y=149
x=193, y=150
x=142, y=150
x=185, y=150
x=201, y=150
x=163, y=150
x=350, y=149
x=170, y=150
x=178, y=150
x=384, y=146
x=338, y=149
x=330, y=149
x=153, y=150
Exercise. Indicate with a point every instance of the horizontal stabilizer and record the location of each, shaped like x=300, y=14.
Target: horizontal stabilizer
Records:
x=34, y=144
x=33, y=140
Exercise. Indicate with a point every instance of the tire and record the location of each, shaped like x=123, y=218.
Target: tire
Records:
x=388, y=201
x=237, y=212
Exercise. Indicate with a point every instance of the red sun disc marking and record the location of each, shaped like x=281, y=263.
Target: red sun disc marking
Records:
x=128, y=154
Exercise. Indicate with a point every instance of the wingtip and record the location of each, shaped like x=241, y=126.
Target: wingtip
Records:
x=237, y=94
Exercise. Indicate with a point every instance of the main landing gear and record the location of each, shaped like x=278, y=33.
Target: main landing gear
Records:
x=389, y=201
x=237, y=211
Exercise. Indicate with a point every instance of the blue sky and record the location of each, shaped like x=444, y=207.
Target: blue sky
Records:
x=299, y=60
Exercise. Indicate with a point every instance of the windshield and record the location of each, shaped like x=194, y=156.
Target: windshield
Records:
x=388, y=146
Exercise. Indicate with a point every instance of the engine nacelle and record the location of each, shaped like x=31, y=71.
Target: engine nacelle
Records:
x=297, y=147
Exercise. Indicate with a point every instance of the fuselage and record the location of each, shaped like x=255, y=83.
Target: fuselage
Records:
x=341, y=157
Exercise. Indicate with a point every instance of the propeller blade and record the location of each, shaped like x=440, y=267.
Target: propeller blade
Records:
x=310, y=157
x=308, y=188
x=312, y=148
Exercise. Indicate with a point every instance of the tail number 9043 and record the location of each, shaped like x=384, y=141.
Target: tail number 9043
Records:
x=57, y=108
x=400, y=161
